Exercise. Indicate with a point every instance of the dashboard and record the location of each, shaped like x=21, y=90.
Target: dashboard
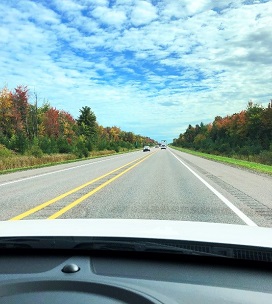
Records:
x=111, y=278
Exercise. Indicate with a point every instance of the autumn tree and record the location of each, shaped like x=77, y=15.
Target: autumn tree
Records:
x=6, y=125
x=246, y=133
x=51, y=123
x=20, y=109
x=28, y=128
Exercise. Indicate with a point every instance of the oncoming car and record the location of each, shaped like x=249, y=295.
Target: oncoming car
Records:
x=146, y=148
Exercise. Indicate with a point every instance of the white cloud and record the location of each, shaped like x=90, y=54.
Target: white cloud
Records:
x=36, y=11
x=194, y=7
x=172, y=8
x=134, y=63
x=143, y=13
x=99, y=3
x=109, y=16
x=68, y=5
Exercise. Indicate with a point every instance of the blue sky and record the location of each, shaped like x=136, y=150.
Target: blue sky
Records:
x=150, y=67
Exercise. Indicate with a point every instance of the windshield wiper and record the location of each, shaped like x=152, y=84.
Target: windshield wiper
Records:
x=148, y=247
x=36, y=242
x=100, y=244
x=140, y=245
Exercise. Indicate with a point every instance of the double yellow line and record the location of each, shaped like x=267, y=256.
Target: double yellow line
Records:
x=84, y=197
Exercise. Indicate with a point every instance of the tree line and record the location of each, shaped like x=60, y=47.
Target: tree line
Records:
x=247, y=134
x=27, y=128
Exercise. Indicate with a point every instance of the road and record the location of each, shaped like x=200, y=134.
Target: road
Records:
x=161, y=184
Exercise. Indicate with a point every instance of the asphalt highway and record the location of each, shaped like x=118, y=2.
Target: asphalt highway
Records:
x=160, y=184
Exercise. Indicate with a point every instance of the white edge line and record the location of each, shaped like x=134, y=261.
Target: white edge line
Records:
x=53, y=172
x=238, y=212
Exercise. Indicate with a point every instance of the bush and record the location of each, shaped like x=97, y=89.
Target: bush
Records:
x=224, y=148
x=48, y=145
x=255, y=149
x=35, y=151
x=244, y=151
x=4, y=152
x=80, y=150
x=265, y=157
x=89, y=145
x=102, y=145
x=19, y=143
x=64, y=146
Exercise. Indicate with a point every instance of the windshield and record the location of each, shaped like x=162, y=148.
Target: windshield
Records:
x=149, y=109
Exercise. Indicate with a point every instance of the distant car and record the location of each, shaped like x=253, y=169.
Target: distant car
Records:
x=163, y=146
x=146, y=148
x=157, y=146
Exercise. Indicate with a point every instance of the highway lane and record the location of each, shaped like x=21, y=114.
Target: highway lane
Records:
x=162, y=184
x=23, y=190
x=249, y=191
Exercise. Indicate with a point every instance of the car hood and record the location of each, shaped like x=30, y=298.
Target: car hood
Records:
x=135, y=228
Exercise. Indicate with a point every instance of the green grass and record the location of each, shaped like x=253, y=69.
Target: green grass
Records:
x=232, y=161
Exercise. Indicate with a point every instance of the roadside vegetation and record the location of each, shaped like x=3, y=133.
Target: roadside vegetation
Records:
x=15, y=162
x=32, y=135
x=244, y=136
x=231, y=161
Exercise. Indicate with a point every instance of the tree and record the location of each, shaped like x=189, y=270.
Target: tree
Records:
x=254, y=123
x=67, y=125
x=87, y=122
x=6, y=125
x=20, y=109
x=29, y=129
x=51, y=123
x=33, y=118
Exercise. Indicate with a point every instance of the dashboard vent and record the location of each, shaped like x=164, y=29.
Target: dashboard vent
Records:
x=228, y=251
x=255, y=255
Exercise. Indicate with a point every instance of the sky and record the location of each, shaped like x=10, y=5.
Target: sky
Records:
x=147, y=66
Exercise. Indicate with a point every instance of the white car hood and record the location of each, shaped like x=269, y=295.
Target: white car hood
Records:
x=135, y=228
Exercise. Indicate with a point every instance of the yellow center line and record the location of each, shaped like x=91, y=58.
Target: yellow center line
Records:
x=84, y=197
x=50, y=202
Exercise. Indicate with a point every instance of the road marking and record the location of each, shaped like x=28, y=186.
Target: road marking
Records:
x=238, y=212
x=50, y=202
x=81, y=199
x=57, y=171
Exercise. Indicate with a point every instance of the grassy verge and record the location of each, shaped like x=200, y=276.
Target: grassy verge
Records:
x=21, y=163
x=233, y=161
